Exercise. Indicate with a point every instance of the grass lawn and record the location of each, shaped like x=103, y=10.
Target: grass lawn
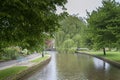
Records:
x=115, y=56
x=11, y=71
x=17, y=69
x=41, y=59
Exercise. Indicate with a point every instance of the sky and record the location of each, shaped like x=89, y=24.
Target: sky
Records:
x=80, y=6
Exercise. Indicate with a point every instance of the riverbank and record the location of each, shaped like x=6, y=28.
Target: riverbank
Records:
x=22, y=69
x=112, y=57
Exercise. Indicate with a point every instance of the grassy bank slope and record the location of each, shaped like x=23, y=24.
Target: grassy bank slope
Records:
x=114, y=56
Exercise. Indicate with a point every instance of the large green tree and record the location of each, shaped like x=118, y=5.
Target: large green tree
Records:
x=70, y=35
x=104, y=24
x=23, y=22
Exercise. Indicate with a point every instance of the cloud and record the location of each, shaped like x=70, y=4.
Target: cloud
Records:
x=80, y=6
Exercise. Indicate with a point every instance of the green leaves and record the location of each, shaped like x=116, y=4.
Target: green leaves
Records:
x=23, y=20
x=104, y=24
x=70, y=35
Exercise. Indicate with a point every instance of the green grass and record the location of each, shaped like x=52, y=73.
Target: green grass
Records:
x=11, y=71
x=40, y=59
x=17, y=69
x=114, y=56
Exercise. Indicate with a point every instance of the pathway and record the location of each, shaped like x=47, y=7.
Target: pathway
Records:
x=20, y=62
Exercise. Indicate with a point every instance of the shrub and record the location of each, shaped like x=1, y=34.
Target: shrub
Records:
x=10, y=52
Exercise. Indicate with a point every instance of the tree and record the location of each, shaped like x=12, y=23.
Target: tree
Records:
x=22, y=22
x=78, y=40
x=70, y=34
x=102, y=22
x=68, y=45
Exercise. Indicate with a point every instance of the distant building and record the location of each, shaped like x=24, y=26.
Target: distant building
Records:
x=50, y=43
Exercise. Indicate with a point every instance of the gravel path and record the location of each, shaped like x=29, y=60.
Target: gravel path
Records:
x=24, y=61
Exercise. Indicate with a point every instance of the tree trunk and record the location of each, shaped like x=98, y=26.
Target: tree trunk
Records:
x=104, y=51
x=43, y=54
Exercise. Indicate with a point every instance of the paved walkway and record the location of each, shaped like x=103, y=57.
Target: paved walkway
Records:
x=24, y=61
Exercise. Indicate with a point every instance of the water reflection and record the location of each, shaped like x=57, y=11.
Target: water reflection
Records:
x=47, y=73
x=99, y=64
x=76, y=67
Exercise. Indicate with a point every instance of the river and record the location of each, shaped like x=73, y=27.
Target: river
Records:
x=75, y=67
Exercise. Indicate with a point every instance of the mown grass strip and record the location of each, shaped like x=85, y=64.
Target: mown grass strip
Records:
x=41, y=59
x=114, y=56
x=17, y=69
x=11, y=71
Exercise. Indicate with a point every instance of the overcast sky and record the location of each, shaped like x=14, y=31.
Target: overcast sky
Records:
x=80, y=6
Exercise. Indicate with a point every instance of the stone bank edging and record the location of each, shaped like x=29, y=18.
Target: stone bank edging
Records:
x=106, y=60
x=28, y=70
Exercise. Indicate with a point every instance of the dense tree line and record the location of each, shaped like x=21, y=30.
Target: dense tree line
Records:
x=70, y=35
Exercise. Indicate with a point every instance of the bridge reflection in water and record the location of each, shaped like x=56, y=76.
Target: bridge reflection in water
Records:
x=76, y=67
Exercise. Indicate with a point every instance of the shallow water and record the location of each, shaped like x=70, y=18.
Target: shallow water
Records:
x=76, y=67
